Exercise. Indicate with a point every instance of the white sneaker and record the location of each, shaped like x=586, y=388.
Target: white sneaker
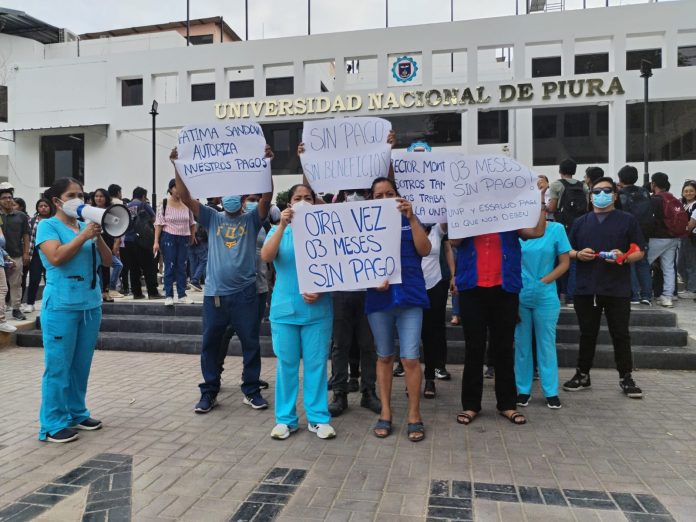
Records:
x=168, y=301
x=323, y=431
x=665, y=301
x=184, y=300
x=26, y=308
x=7, y=327
x=115, y=294
x=282, y=431
x=687, y=295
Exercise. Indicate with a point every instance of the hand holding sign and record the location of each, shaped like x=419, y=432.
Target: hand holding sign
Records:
x=223, y=158
x=346, y=153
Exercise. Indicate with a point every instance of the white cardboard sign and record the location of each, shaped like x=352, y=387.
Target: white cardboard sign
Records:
x=347, y=246
x=223, y=159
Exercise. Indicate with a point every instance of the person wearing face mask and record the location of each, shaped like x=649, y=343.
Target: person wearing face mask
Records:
x=603, y=285
x=301, y=330
x=72, y=252
x=229, y=297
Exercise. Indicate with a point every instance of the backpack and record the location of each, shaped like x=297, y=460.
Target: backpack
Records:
x=144, y=229
x=675, y=217
x=636, y=201
x=572, y=205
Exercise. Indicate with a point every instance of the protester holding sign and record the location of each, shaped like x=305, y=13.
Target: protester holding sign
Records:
x=300, y=329
x=400, y=307
x=488, y=278
x=230, y=288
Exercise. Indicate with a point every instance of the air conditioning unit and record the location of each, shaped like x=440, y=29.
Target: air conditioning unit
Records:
x=65, y=35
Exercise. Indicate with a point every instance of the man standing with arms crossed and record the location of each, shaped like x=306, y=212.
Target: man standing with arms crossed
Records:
x=229, y=297
x=15, y=227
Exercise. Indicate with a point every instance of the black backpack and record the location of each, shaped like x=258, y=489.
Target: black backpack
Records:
x=572, y=205
x=636, y=201
x=144, y=228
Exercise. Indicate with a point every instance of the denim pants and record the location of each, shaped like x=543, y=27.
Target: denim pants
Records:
x=309, y=342
x=687, y=262
x=666, y=250
x=539, y=311
x=69, y=338
x=116, y=267
x=174, y=252
x=641, y=280
x=240, y=311
x=407, y=321
x=198, y=259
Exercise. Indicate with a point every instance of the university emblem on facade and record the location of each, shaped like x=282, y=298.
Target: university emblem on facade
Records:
x=404, y=69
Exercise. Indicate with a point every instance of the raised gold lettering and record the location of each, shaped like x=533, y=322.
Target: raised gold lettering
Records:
x=525, y=91
x=595, y=85
x=450, y=97
x=338, y=105
x=407, y=104
x=481, y=99
x=507, y=93
x=615, y=86
x=375, y=99
x=549, y=88
x=391, y=101
x=433, y=93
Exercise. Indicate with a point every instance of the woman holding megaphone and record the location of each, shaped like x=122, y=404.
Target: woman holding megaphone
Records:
x=72, y=253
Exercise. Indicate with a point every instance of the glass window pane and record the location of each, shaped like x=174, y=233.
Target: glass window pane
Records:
x=633, y=58
x=547, y=66
x=201, y=39
x=591, y=63
x=687, y=56
x=285, y=138
x=672, y=136
x=580, y=133
x=3, y=103
x=132, y=92
x=202, y=92
x=62, y=156
x=280, y=86
x=435, y=129
x=242, y=89
x=492, y=127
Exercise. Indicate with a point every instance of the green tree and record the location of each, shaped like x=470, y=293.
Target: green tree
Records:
x=282, y=199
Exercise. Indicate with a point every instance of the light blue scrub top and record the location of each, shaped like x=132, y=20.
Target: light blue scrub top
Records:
x=539, y=256
x=287, y=304
x=68, y=287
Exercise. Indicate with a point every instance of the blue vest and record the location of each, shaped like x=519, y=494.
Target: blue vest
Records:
x=411, y=291
x=467, y=276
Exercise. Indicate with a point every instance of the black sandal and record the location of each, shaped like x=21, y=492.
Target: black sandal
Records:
x=385, y=425
x=513, y=418
x=466, y=418
x=415, y=431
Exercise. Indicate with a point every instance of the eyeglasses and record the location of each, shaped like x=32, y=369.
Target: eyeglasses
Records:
x=606, y=190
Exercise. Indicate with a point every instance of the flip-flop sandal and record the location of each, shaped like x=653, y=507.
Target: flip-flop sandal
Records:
x=385, y=425
x=516, y=415
x=415, y=428
x=466, y=418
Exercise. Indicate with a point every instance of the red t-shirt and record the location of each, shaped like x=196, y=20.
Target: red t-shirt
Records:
x=489, y=260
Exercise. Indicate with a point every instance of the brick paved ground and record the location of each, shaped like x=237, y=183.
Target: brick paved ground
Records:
x=202, y=467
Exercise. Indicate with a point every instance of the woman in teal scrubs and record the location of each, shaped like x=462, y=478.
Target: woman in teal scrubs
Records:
x=301, y=326
x=72, y=253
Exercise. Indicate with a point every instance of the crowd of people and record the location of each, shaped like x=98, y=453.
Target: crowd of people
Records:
x=599, y=245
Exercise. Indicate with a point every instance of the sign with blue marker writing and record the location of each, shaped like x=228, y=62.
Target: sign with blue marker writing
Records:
x=347, y=246
x=223, y=159
x=420, y=178
x=490, y=193
x=345, y=153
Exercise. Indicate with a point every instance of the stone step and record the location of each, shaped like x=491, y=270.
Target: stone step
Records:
x=645, y=335
x=644, y=356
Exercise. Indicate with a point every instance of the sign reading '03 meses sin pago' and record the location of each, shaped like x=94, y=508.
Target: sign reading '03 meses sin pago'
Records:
x=592, y=88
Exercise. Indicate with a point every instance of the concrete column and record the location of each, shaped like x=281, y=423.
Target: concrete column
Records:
x=617, y=54
x=617, y=136
x=184, y=94
x=259, y=81
x=340, y=77
x=221, y=90
x=519, y=61
x=524, y=145
x=472, y=66
x=382, y=71
x=299, y=77
x=568, y=57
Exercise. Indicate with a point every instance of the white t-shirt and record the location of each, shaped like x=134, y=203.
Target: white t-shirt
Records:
x=431, y=263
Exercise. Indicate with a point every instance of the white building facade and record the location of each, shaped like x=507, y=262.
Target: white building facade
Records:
x=540, y=88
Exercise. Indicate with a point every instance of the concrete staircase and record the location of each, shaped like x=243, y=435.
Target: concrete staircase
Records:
x=152, y=327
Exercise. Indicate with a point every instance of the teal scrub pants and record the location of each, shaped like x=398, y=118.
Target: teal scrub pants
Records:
x=69, y=338
x=538, y=311
x=309, y=342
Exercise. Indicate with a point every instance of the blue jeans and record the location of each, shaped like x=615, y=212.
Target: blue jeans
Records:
x=240, y=311
x=455, y=304
x=406, y=321
x=174, y=252
x=116, y=267
x=198, y=259
x=641, y=280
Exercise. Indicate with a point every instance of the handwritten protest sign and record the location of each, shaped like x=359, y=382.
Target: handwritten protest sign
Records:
x=347, y=246
x=223, y=159
x=420, y=178
x=489, y=193
x=346, y=153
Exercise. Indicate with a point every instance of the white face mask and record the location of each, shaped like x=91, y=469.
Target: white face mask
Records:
x=71, y=206
x=355, y=197
x=299, y=204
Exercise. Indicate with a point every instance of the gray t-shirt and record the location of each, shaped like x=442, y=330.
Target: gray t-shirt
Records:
x=556, y=189
x=231, y=250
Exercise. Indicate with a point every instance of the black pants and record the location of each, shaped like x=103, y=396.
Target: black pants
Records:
x=350, y=326
x=489, y=312
x=589, y=308
x=433, y=331
x=36, y=270
x=141, y=262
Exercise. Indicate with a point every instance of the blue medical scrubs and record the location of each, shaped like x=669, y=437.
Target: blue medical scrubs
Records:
x=539, y=311
x=299, y=331
x=70, y=318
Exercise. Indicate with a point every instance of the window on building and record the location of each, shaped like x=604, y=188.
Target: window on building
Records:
x=633, y=58
x=200, y=39
x=132, y=92
x=547, y=66
x=687, y=56
x=203, y=91
x=284, y=138
x=242, y=89
x=444, y=129
x=591, y=63
x=580, y=133
x=3, y=103
x=62, y=156
x=280, y=86
x=492, y=127
x=671, y=131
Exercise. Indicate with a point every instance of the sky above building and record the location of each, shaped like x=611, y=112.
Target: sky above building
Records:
x=274, y=18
